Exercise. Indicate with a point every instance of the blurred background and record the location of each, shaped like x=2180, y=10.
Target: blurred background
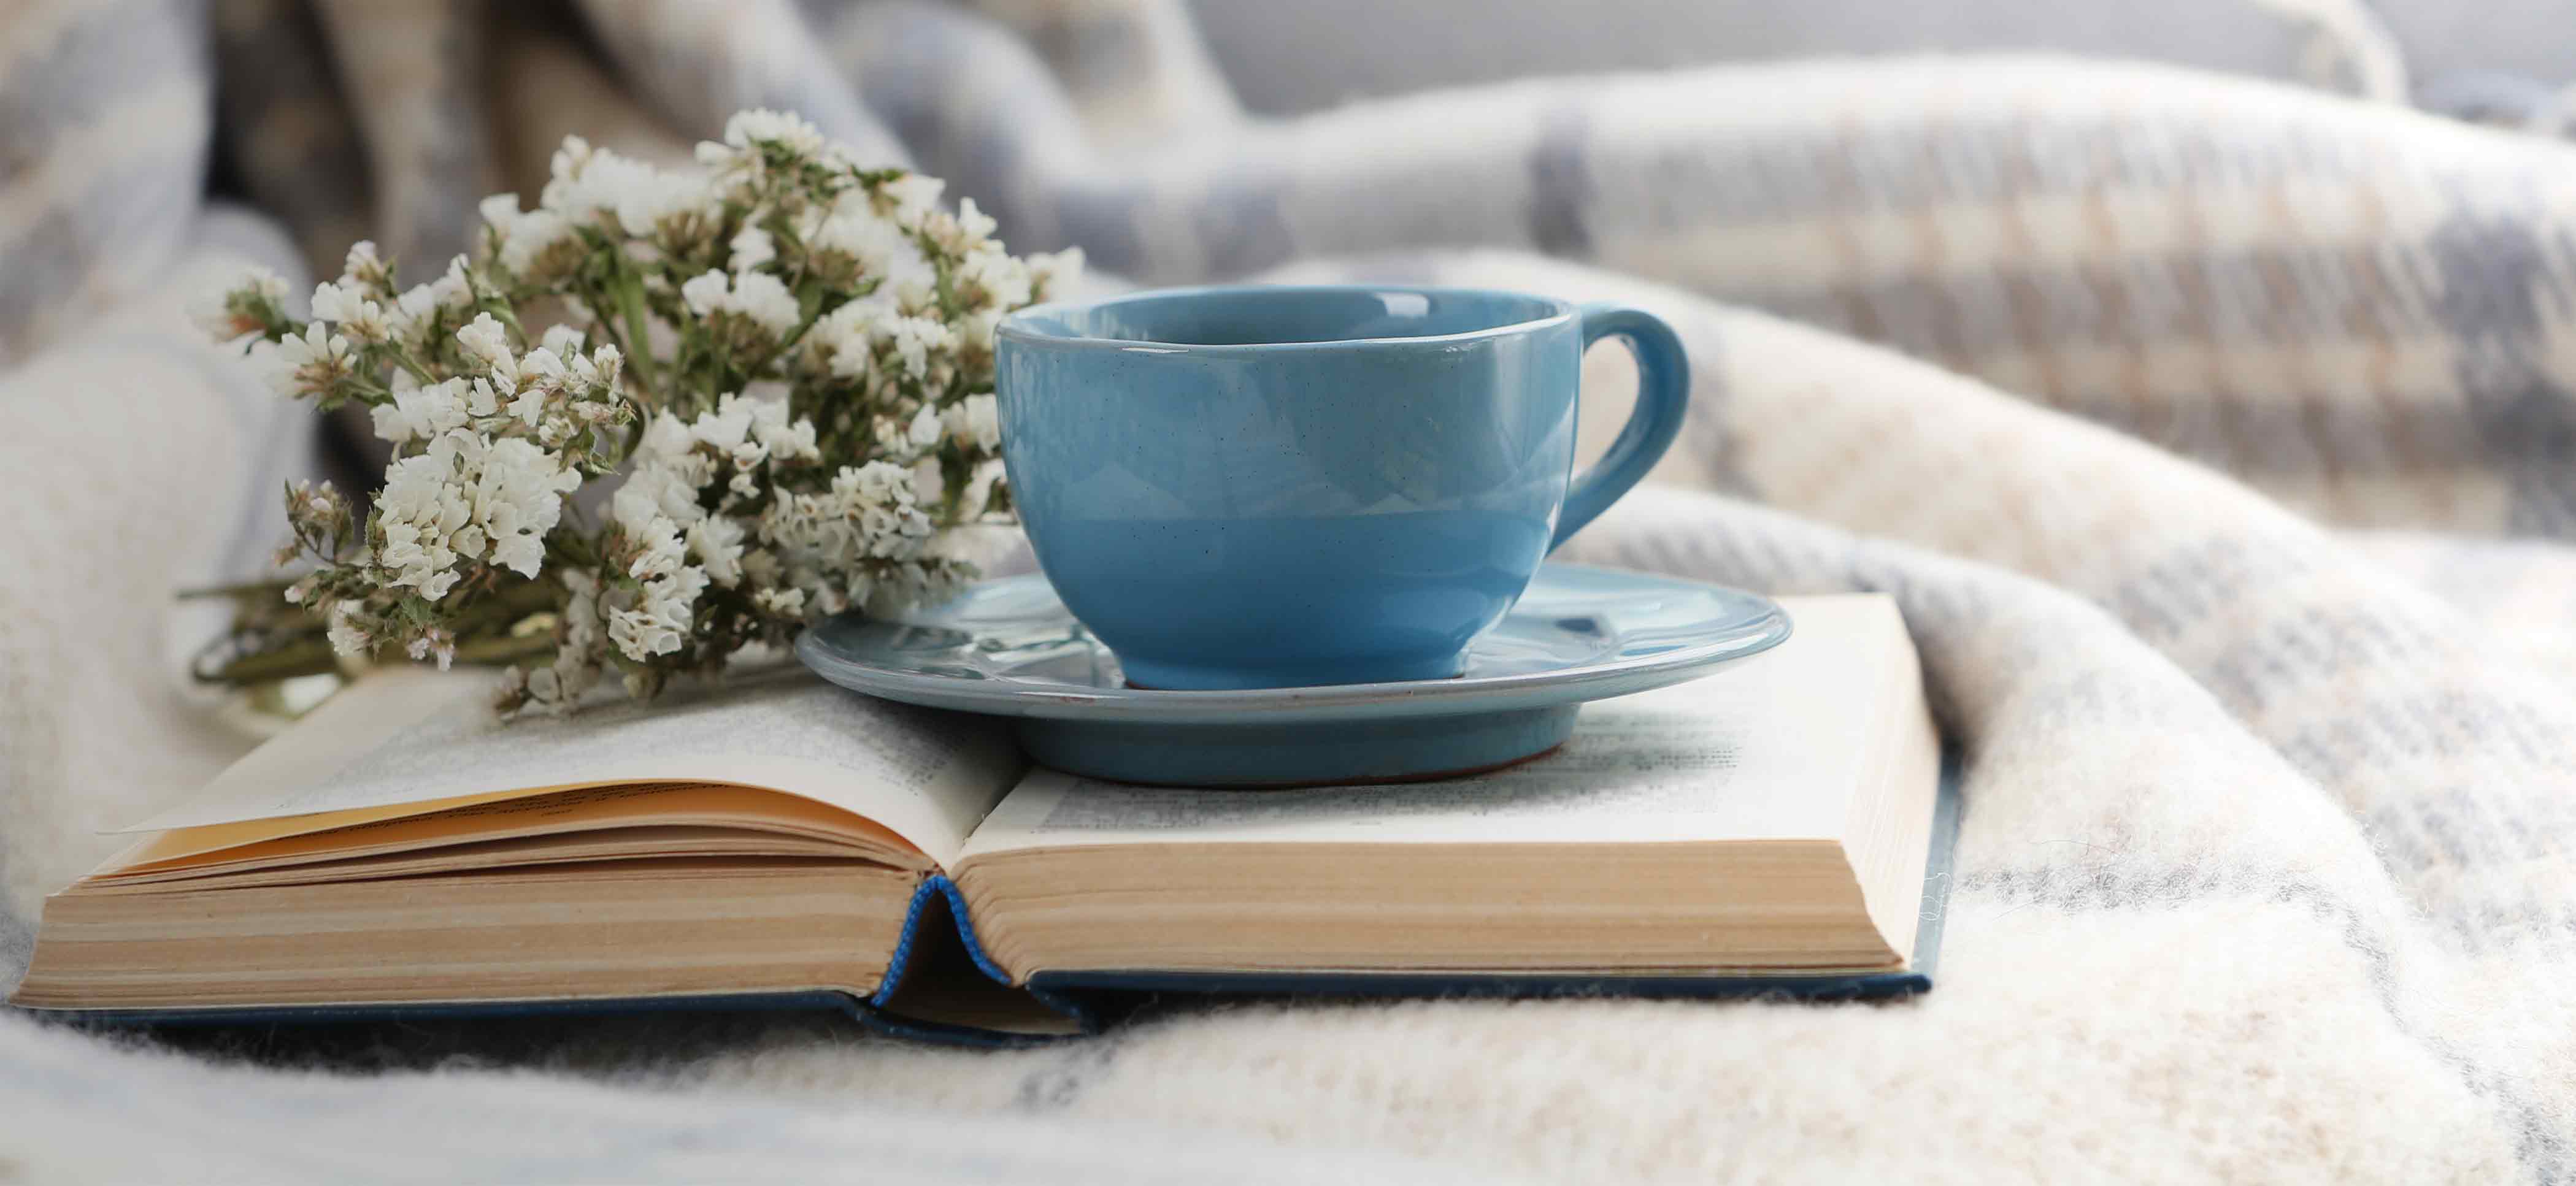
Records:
x=1287, y=58
x=1176, y=140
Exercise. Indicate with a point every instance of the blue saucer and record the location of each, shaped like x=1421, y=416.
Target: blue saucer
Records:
x=1009, y=648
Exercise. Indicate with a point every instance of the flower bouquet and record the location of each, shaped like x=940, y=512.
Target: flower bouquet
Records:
x=782, y=364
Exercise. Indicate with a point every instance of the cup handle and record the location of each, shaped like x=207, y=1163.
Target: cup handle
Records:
x=1663, y=394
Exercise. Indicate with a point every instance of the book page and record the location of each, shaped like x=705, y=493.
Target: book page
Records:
x=1771, y=748
x=403, y=742
x=588, y=808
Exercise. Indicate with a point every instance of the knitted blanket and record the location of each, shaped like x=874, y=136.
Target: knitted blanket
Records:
x=2215, y=438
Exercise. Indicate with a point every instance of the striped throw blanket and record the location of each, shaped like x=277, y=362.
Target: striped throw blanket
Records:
x=2217, y=438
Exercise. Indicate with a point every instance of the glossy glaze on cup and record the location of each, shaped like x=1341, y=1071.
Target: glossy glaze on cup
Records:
x=1276, y=487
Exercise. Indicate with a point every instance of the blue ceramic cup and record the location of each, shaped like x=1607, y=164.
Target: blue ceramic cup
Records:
x=1258, y=487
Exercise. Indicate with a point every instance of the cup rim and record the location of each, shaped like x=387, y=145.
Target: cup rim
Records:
x=1015, y=325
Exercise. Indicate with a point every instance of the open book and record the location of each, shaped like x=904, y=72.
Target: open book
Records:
x=1766, y=826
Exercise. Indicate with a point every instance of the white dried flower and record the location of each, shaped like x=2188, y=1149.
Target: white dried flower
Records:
x=538, y=244
x=975, y=422
x=864, y=244
x=352, y=312
x=915, y=339
x=762, y=126
x=717, y=543
x=363, y=270
x=435, y=641
x=750, y=248
x=1050, y=272
x=707, y=293
x=764, y=298
x=757, y=297
x=308, y=366
x=454, y=289
x=346, y=637
x=843, y=342
x=786, y=440
x=996, y=280
x=468, y=498
x=487, y=343
x=421, y=413
x=914, y=196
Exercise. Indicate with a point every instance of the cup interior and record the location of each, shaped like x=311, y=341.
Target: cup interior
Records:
x=1286, y=315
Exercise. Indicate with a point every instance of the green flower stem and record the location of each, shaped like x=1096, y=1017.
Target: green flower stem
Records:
x=309, y=654
x=404, y=360
x=498, y=649
x=244, y=591
x=813, y=313
x=630, y=303
x=508, y=605
x=482, y=636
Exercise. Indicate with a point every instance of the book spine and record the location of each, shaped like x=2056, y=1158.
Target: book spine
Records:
x=924, y=896
x=938, y=895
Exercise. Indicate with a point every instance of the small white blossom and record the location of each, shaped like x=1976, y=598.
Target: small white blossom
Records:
x=542, y=369
x=346, y=638
x=963, y=233
x=663, y=552
x=871, y=245
x=1001, y=281
x=976, y=225
x=487, y=343
x=352, y=312
x=975, y=422
x=363, y=270
x=421, y=413
x=435, y=641
x=673, y=209
x=499, y=211
x=764, y=298
x=706, y=293
x=453, y=290
x=597, y=374
x=914, y=197
x=784, y=603
x=716, y=541
x=726, y=428
x=762, y=126
x=310, y=365
x=529, y=239
x=1051, y=272
x=758, y=297
x=843, y=341
x=641, y=635
x=915, y=339
x=786, y=440
x=654, y=492
x=751, y=247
